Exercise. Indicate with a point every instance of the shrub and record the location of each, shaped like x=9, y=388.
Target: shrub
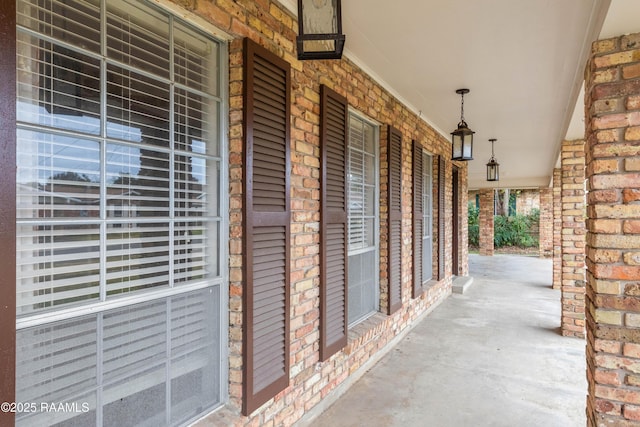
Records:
x=474, y=227
x=515, y=230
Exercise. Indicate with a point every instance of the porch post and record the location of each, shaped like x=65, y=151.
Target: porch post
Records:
x=613, y=240
x=485, y=220
x=546, y=223
x=557, y=228
x=573, y=238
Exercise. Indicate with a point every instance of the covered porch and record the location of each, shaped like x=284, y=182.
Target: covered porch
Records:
x=501, y=360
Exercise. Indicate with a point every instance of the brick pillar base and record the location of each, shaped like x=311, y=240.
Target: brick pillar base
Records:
x=486, y=222
x=613, y=241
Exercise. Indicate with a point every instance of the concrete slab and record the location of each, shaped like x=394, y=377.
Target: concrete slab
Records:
x=490, y=357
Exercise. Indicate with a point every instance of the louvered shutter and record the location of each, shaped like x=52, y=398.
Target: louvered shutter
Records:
x=441, y=218
x=394, y=200
x=418, y=220
x=266, y=225
x=8, y=206
x=333, y=223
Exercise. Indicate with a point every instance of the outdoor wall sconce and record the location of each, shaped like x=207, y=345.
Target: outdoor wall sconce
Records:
x=320, y=29
x=493, y=168
x=462, y=138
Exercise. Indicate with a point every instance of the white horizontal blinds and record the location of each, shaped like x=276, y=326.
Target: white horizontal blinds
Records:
x=75, y=22
x=195, y=62
x=57, y=266
x=137, y=257
x=138, y=36
x=133, y=173
x=362, y=184
x=58, y=176
x=427, y=216
x=137, y=179
x=57, y=363
x=125, y=357
x=362, y=210
x=119, y=194
x=196, y=119
x=138, y=102
x=193, y=258
x=195, y=372
x=66, y=95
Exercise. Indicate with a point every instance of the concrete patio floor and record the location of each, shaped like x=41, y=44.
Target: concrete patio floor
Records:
x=490, y=357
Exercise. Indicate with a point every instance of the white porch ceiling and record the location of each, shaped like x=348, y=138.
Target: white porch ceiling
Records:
x=523, y=61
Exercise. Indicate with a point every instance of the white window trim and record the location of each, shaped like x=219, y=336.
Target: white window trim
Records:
x=376, y=125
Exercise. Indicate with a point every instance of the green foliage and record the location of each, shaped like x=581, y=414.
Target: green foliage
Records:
x=515, y=230
x=474, y=226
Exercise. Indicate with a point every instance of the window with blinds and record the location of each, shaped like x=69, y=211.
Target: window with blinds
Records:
x=119, y=214
x=427, y=216
x=363, y=190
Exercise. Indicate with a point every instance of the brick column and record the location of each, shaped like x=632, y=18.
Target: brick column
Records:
x=573, y=238
x=486, y=221
x=557, y=228
x=613, y=240
x=546, y=223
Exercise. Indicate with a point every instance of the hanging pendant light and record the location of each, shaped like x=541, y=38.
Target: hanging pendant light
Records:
x=493, y=167
x=320, y=29
x=462, y=138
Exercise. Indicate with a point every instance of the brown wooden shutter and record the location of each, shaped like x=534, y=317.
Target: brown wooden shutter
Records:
x=441, y=216
x=267, y=221
x=418, y=226
x=394, y=200
x=333, y=223
x=8, y=207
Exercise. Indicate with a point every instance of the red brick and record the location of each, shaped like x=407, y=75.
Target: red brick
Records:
x=611, y=150
x=630, y=195
x=631, y=412
x=631, y=71
x=602, y=196
x=616, y=394
x=618, y=272
x=620, y=180
x=608, y=407
x=631, y=227
x=607, y=346
x=633, y=102
x=632, y=133
x=607, y=377
x=614, y=90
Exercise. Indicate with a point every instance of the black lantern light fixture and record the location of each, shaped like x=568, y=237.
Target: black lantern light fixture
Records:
x=493, y=167
x=462, y=138
x=320, y=29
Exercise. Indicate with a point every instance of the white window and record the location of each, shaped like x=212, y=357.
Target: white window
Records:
x=120, y=259
x=363, y=190
x=427, y=217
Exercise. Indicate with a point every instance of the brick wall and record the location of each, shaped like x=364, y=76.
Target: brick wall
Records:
x=613, y=240
x=527, y=200
x=272, y=26
x=546, y=223
x=557, y=228
x=573, y=237
x=485, y=220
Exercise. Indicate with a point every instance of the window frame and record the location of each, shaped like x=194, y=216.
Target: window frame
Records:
x=427, y=211
x=221, y=222
x=376, y=126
